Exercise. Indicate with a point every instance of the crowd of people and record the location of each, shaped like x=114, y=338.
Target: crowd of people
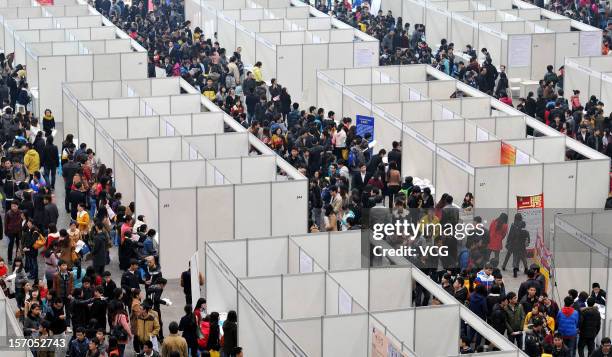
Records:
x=76, y=295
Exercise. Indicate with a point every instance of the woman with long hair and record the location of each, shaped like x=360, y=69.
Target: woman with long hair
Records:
x=120, y=326
x=497, y=232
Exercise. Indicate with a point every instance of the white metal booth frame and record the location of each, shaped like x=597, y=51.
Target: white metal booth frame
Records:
x=283, y=51
x=244, y=197
x=475, y=167
x=582, y=253
x=589, y=75
x=525, y=54
x=332, y=300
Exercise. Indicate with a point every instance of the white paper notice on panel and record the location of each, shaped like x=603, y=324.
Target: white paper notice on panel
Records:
x=519, y=52
x=590, y=43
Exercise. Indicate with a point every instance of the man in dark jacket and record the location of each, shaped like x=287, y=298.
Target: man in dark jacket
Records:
x=497, y=320
x=98, y=308
x=98, y=251
x=515, y=317
x=50, y=162
x=395, y=155
x=57, y=317
x=589, y=325
x=530, y=282
x=68, y=170
x=50, y=211
x=130, y=280
x=12, y=228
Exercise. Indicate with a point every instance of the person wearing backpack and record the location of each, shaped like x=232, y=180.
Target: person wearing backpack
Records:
x=203, y=334
x=119, y=323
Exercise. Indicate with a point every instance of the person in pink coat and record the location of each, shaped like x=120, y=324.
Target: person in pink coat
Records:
x=497, y=232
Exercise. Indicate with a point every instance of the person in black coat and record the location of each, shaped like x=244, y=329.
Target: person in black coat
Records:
x=395, y=155
x=13, y=88
x=589, y=326
x=230, y=333
x=98, y=251
x=361, y=178
x=497, y=320
x=50, y=162
x=188, y=327
x=57, y=316
x=98, y=308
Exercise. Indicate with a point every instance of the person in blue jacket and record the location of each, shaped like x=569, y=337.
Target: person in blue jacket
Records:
x=567, y=324
x=478, y=305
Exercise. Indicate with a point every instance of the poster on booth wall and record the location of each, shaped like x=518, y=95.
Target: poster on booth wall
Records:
x=44, y=2
x=306, y=263
x=519, y=50
x=590, y=43
x=507, y=154
x=365, y=125
x=481, y=135
x=531, y=209
x=382, y=347
x=345, y=302
x=521, y=157
x=194, y=279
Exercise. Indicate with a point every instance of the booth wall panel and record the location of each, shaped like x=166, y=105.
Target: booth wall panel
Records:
x=435, y=335
x=329, y=98
x=204, y=144
x=489, y=185
x=542, y=46
x=274, y=250
x=306, y=333
x=134, y=65
x=267, y=55
x=346, y=335
x=70, y=115
x=525, y=145
x=316, y=56
x=449, y=131
x=289, y=207
x=105, y=67
x=423, y=167
x=164, y=148
x=165, y=86
x=86, y=132
x=268, y=292
x=215, y=213
x=355, y=283
x=148, y=205
x=253, y=334
x=135, y=149
x=252, y=210
x=184, y=104
x=231, y=145
x=159, y=105
x=181, y=123
x=176, y=247
x=340, y=55
x=143, y=128
x=315, y=245
x=593, y=176
x=207, y=123
x=188, y=174
x=51, y=73
x=124, y=178
x=139, y=87
x=476, y=107
x=110, y=89
x=158, y=173
x=549, y=150
x=485, y=153
x=399, y=323
x=303, y=295
x=450, y=179
x=97, y=108
x=220, y=294
x=524, y=180
x=416, y=111
x=288, y=59
x=122, y=107
x=348, y=254
x=258, y=169
x=510, y=128
x=392, y=281
x=230, y=168
x=104, y=151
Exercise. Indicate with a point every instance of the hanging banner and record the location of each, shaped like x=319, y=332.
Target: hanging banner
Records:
x=507, y=154
x=365, y=125
x=532, y=210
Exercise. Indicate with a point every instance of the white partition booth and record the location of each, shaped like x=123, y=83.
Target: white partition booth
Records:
x=10, y=328
x=582, y=253
x=524, y=48
x=284, y=50
x=589, y=75
x=229, y=195
x=457, y=168
x=328, y=313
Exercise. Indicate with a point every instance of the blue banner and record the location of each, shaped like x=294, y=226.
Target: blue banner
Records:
x=365, y=125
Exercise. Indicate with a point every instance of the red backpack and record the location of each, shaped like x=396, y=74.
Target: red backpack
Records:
x=203, y=334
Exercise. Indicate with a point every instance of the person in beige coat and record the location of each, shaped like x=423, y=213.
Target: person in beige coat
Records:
x=174, y=342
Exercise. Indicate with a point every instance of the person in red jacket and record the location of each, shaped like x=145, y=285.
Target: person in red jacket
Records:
x=497, y=232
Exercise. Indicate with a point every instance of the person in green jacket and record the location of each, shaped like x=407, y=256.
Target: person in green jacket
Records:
x=515, y=316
